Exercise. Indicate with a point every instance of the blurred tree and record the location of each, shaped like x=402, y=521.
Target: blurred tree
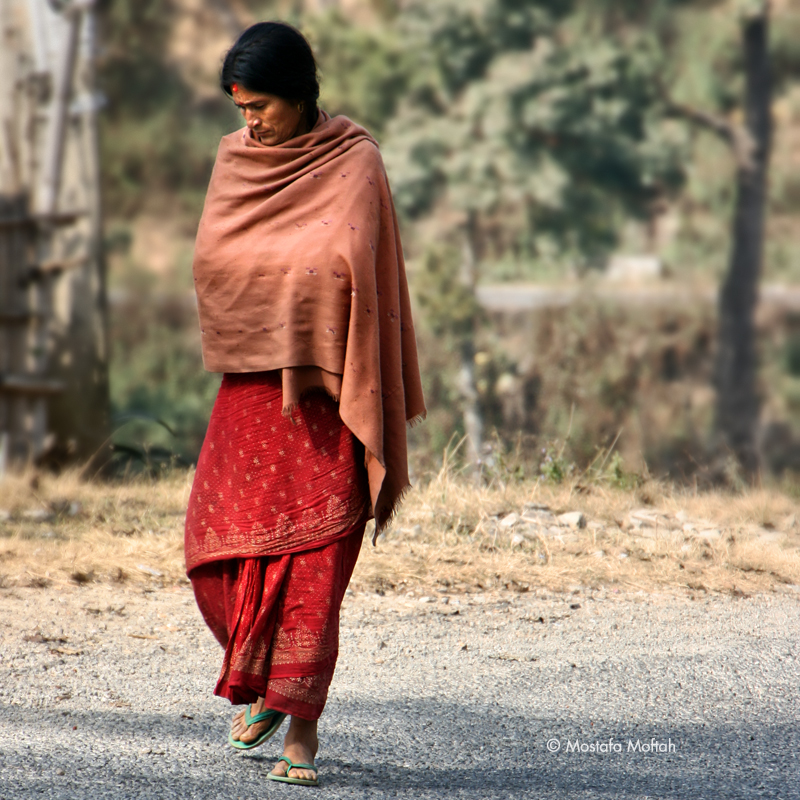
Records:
x=157, y=140
x=744, y=123
x=524, y=136
x=364, y=70
x=738, y=404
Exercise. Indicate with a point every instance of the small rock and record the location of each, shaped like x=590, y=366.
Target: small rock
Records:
x=622, y=555
x=416, y=532
x=709, y=533
x=427, y=599
x=599, y=554
x=60, y=772
x=150, y=571
x=5, y=516
x=444, y=600
x=538, y=517
x=644, y=517
x=517, y=539
x=38, y=515
x=575, y=519
x=689, y=527
x=529, y=508
x=682, y=516
x=508, y=522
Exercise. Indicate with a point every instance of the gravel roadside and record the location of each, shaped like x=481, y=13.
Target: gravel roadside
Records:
x=106, y=692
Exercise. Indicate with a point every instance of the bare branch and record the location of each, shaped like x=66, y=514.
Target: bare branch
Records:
x=737, y=136
x=703, y=119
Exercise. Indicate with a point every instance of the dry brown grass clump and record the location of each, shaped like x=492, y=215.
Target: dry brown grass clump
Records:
x=449, y=535
x=63, y=529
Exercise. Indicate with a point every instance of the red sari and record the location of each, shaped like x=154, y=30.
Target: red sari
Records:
x=273, y=530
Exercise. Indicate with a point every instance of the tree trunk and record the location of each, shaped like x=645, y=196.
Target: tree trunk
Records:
x=738, y=402
x=473, y=420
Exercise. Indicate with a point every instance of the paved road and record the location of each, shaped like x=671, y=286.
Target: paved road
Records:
x=105, y=693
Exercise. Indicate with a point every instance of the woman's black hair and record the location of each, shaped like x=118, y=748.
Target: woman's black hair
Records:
x=274, y=58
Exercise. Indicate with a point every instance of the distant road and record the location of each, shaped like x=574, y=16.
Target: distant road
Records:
x=511, y=297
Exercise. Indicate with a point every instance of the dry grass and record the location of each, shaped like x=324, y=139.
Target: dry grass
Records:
x=446, y=537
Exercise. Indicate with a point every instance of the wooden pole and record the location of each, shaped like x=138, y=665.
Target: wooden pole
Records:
x=56, y=131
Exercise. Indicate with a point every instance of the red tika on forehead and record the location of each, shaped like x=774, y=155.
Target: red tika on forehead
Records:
x=235, y=87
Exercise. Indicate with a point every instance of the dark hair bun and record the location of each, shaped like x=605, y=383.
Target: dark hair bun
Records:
x=274, y=58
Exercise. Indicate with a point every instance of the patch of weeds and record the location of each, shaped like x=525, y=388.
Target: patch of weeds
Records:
x=119, y=576
x=501, y=464
x=553, y=467
x=616, y=474
x=80, y=576
x=381, y=585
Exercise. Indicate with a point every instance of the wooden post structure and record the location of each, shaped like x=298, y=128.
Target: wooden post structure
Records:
x=53, y=353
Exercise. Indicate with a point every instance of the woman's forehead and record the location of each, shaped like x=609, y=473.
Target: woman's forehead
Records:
x=243, y=96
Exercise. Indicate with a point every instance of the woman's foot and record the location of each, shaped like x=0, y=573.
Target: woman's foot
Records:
x=244, y=733
x=300, y=746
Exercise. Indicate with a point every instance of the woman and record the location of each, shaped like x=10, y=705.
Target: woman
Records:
x=304, y=307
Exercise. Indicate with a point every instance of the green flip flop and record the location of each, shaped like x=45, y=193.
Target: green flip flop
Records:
x=300, y=781
x=277, y=718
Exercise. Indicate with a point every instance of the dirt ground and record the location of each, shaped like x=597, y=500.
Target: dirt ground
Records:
x=449, y=534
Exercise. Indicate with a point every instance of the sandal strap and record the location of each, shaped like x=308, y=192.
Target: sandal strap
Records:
x=292, y=765
x=264, y=715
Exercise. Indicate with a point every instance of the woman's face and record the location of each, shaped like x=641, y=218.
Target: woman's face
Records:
x=272, y=119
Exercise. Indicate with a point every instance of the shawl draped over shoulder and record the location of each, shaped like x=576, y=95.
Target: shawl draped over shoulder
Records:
x=298, y=267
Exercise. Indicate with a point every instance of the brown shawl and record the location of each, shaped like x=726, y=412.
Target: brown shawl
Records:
x=298, y=264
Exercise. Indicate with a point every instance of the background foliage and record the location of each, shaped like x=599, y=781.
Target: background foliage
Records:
x=533, y=132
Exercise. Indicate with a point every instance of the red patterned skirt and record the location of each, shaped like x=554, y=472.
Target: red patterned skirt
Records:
x=273, y=529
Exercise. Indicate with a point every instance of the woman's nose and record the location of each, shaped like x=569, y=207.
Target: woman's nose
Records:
x=251, y=120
